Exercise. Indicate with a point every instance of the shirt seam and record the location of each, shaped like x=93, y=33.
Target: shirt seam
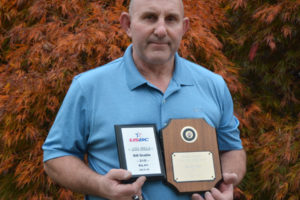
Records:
x=89, y=120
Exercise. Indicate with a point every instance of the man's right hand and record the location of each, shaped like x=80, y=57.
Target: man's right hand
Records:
x=73, y=173
x=113, y=188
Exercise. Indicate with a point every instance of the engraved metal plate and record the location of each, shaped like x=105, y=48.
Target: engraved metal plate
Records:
x=193, y=166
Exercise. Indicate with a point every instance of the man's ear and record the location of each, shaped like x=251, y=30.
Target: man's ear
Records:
x=186, y=25
x=125, y=22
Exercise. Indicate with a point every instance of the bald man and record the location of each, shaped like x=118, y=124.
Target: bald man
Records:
x=150, y=84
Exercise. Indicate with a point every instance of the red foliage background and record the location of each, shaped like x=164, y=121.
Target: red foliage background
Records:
x=254, y=45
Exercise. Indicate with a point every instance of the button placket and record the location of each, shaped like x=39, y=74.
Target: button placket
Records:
x=163, y=112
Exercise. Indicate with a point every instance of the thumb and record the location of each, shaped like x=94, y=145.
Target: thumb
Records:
x=118, y=174
x=140, y=181
x=230, y=178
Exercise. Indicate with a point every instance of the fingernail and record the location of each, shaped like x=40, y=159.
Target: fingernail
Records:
x=207, y=194
x=142, y=179
x=127, y=174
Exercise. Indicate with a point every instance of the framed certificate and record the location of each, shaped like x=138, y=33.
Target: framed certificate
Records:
x=139, y=151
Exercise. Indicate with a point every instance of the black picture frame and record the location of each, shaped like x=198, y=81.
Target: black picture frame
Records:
x=124, y=147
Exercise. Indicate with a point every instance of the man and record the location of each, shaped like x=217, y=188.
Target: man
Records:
x=149, y=84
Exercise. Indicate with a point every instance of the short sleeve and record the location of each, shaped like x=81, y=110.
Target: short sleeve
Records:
x=69, y=132
x=228, y=132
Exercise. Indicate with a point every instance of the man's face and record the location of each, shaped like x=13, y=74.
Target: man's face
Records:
x=156, y=28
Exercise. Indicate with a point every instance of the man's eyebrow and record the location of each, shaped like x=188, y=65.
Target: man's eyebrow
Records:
x=148, y=13
x=154, y=12
x=177, y=15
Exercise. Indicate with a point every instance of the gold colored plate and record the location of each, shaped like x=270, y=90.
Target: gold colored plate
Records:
x=193, y=166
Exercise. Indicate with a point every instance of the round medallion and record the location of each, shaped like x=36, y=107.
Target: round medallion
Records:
x=189, y=134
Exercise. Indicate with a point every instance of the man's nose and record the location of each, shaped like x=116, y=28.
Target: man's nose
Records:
x=160, y=29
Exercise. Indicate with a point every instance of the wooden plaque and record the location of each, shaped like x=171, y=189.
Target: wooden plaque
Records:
x=191, y=155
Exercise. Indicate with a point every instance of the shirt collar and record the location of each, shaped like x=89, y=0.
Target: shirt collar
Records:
x=134, y=78
x=182, y=75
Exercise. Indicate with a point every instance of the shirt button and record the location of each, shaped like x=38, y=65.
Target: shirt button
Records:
x=164, y=101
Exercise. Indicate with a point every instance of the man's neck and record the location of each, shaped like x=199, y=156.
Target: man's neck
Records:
x=157, y=74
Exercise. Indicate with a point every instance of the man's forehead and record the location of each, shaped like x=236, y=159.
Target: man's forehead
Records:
x=148, y=5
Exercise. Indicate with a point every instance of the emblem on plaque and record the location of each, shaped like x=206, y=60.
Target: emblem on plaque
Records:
x=189, y=134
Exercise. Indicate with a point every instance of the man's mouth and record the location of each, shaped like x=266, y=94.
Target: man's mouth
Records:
x=159, y=43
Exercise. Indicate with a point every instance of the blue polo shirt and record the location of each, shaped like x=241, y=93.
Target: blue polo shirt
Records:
x=117, y=93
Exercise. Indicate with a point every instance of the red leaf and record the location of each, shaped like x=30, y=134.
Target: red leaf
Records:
x=253, y=51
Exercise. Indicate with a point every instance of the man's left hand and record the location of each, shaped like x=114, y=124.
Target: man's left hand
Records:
x=225, y=191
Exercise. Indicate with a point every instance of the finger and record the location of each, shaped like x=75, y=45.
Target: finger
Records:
x=208, y=196
x=223, y=187
x=230, y=178
x=226, y=194
x=197, y=197
x=118, y=174
x=138, y=185
x=140, y=182
x=216, y=193
x=134, y=188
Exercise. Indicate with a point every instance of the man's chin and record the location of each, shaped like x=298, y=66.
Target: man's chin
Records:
x=159, y=60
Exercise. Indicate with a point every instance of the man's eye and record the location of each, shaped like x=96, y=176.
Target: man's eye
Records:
x=150, y=17
x=171, y=19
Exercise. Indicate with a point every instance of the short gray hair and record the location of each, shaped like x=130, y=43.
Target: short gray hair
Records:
x=131, y=3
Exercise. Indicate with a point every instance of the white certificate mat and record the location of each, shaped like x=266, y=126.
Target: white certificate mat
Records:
x=141, y=151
